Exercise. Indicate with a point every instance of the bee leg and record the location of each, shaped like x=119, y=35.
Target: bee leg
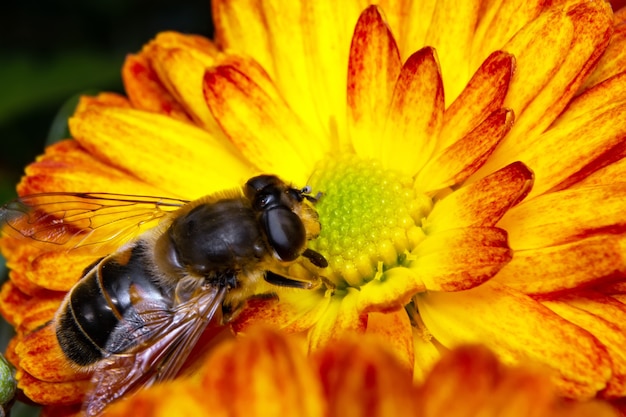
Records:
x=283, y=281
x=316, y=258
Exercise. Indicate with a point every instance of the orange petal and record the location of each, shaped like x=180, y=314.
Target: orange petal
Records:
x=483, y=95
x=500, y=22
x=415, y=114
x=54, y=393
x=59, y=270
x=457, y=162
x=519, y=330
x=361, y=378
x=373, y=69
x=603, y=317
x=565, y=216
x=580, y=263
x=39, y=311
x=68, y=167
x=394, y=330
x=196, y=161
x=41, y=356
x=260, y=124
x=458, y=259
x=453, y=44
x=146, y=91
x=613, y=61
x=179, y=61
x=12, y=303
x=247, y=376
x=484, y=202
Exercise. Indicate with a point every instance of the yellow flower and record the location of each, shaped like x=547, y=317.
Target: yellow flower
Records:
x=470, y=161
x=248, y=378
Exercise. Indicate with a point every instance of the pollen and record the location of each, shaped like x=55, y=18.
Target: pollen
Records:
x=370, y=216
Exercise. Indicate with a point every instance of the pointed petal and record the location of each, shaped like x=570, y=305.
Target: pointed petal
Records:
x=483, y=95
x=410, y=22
x=559, y=268
x=415, y=114
x=12, y=303
x=603, y=317
x=146, y=91
x=360, y=378
x=393, y=329
x=565, y=216
x=260, y=124
x=569, y=44
x=68, y=167
x=459, y=259
x=519, y=330
x=484, y=202
x=247, y=376
x=373, y=69
x=143, y=143
x=457, y=162
x=453, y=44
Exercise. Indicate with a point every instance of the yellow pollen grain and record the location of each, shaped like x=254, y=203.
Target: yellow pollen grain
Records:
x=369, y=216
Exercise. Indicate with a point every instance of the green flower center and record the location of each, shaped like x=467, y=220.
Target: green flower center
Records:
x=370, y=218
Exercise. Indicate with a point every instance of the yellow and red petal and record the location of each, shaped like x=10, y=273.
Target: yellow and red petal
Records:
x=260, y=124
x=129, y=139
x=484, y=202
x=373, y=68
x=565, y=216
x=581, y=263
x=415, y=115
x=461, y=159
x=487, y=314
x=484, y=94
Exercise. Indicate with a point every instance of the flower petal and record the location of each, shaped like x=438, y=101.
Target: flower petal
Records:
x=373, y=69
x=260, y=124
x=484, y=202
x=392, y=291
x=56, y=393
x=613, y=61
x=415, y=114
x=360, y=378
x=246, y=377
x=453, y=44
x=565, y=216
x=519, y=330
x=559, y=268
x=68, y=167
x=457, y=162
x=195, y=161
x=483, y=95
x=603, y=317
x=146, y=91
x=459, y=259
x=394, y=331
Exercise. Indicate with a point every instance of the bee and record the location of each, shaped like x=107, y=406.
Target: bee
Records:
x=135, y=315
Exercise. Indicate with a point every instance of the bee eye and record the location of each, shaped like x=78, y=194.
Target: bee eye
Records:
x=285, y=232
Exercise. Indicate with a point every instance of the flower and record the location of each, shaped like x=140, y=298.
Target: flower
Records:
x=470, y=168
x=350, y=378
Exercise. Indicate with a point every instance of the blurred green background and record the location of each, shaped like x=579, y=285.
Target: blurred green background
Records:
x=53, y=51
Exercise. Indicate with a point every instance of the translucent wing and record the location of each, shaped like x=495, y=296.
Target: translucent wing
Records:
x=83, y=220
x=166, y=340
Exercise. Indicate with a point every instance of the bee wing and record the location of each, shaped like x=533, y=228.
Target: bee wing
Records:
x=166, y=341
x=94, y=221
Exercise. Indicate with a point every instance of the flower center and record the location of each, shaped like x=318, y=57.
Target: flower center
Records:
x=370, y=218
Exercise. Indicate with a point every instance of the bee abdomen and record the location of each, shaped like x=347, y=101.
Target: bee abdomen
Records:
x=99, y=303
